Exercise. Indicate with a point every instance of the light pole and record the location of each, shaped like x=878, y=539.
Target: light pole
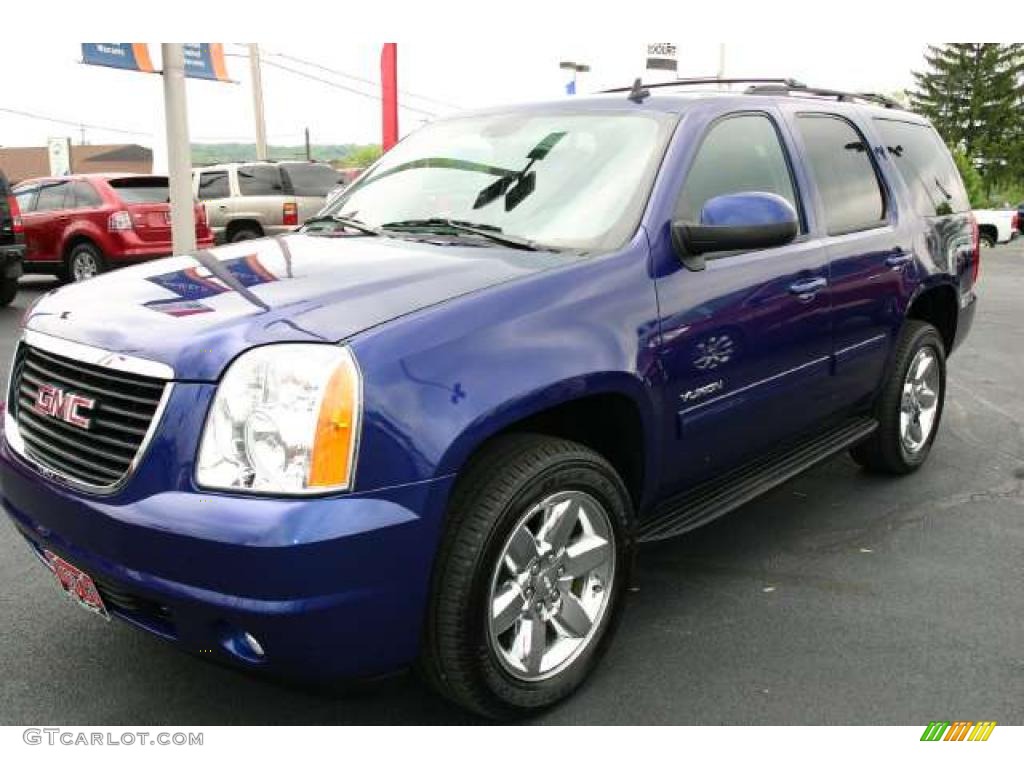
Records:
x=575, y=68
x=179, y=160
x=257, y=101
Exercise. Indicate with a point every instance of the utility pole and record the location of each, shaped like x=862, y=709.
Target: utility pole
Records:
x=257, y=101
x=179, y=154
x=309, y=154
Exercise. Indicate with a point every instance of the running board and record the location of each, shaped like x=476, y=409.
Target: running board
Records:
x=725, y=493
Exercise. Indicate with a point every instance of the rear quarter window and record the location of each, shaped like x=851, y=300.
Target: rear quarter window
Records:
x=925, y=165
x=256, y=180
x=142, y=189
x=312, y=179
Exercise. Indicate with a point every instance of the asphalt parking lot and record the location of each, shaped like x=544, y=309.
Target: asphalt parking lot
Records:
x=840, y=598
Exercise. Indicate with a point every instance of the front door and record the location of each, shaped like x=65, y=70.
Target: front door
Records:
x=746, y=342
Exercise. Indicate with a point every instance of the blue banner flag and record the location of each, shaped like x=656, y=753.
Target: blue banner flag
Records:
x=205, y=61
x=118, y=55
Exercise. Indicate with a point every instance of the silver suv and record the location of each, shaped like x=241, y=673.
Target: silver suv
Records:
x=248, y=200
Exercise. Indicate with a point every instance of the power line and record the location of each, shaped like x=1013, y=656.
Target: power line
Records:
x=338, y=72
x=74, y=123
x=339, y=86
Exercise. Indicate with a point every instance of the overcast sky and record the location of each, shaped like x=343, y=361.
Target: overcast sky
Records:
x=476, y=74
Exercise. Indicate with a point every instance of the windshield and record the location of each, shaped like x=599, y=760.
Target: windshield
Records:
x=571, y=180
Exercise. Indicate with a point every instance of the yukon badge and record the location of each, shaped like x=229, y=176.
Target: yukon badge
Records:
x=66, y=406
x=700, y=392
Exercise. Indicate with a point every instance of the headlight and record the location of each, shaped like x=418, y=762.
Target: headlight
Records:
x=285, y=419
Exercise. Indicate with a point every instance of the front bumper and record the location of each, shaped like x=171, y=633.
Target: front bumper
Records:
x=330, y=587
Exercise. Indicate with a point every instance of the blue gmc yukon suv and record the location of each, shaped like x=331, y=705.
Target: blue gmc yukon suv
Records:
x=432, y=426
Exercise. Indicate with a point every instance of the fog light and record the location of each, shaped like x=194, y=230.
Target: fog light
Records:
x=253, y=643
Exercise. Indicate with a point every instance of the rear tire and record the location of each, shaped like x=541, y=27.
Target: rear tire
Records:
x=909, y=408
x=244, y=233
x=521, y=520
x=8, y=290
x=83, y=262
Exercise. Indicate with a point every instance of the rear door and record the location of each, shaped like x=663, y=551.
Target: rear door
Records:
x=745, y=347
x=872, y=270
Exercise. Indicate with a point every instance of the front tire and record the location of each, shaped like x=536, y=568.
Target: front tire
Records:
x=530, y=576
x=910, y=406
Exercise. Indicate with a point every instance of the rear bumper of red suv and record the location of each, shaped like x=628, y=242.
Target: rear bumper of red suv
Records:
x=128, y=247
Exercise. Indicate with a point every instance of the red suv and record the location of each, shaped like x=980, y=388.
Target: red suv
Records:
x=79, y=226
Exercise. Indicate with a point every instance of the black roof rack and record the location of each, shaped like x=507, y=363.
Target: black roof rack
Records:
x=876, y=98
x=762, y=86
x=684, y=81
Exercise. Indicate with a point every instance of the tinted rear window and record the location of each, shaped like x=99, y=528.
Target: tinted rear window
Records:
x=925, y=165
x=841, y=163
x=312, y=179
x=142, y=189
x=256, y=180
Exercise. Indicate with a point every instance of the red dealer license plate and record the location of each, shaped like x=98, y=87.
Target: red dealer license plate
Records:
x=76, y=584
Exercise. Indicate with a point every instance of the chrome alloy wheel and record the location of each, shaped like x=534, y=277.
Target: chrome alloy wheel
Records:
x=84, y=266
x=919, y=405
x=551, y=585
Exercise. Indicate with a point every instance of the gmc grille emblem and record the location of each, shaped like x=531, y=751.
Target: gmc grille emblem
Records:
x=55, y=402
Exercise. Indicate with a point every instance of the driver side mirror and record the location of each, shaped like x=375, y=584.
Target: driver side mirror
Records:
x=744, y=221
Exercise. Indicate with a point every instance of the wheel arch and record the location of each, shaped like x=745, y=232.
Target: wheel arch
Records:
x=610, y=413
x=938, y=305
x=242, y=223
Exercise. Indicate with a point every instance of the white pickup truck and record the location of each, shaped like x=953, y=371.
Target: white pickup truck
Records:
x=996, y=226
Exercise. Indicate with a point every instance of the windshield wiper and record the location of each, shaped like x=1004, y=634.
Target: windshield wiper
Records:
x=345, y=222
x=487, y=231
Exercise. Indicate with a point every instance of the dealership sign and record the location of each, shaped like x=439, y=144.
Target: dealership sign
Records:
x=662, y=56
x=204, y=61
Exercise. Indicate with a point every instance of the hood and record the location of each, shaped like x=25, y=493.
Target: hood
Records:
x=291, y=288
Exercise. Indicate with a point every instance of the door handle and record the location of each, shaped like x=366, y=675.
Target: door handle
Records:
x=806, y=289
x=898, y=258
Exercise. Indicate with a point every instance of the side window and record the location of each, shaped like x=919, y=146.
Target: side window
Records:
x=739, y=154
x=841, y=162
x=26, y=198
x=260, y=180
x=925, y=165
x=213, y=185
x=51, y=196
x=85, y=196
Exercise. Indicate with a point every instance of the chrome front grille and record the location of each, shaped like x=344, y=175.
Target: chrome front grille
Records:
x=99, y=446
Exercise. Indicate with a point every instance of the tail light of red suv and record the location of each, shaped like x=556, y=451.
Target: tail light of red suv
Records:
x=120, y=221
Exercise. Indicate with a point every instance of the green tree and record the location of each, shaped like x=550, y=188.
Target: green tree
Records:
x=972, y=180
x=974, y=94
x=361, y=156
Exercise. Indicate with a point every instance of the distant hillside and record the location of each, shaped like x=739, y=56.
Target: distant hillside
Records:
x=206, y=154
